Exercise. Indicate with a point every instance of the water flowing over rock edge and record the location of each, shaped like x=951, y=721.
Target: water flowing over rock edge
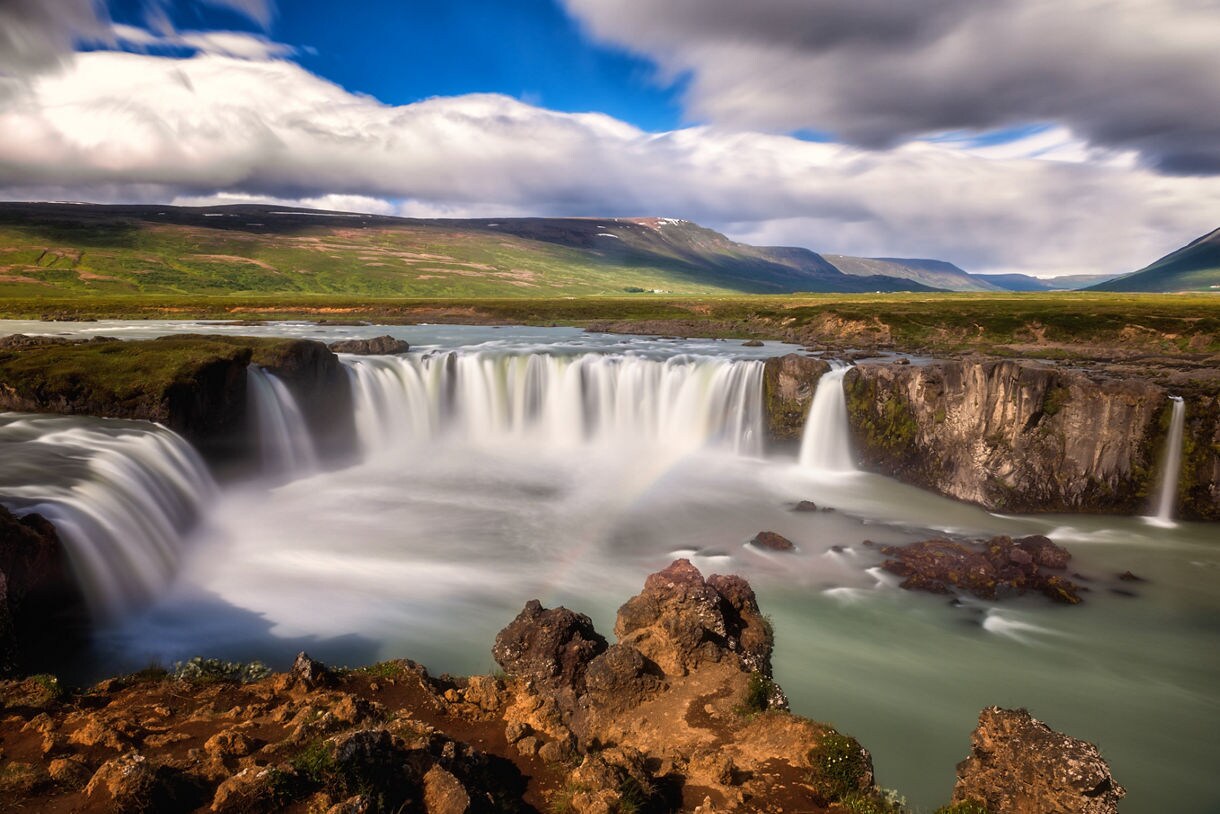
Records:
x=678, y=715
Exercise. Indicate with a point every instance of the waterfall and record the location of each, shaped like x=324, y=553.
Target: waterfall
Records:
x=1173, y=463
x=122, y=495
x=285, y=445
x=824, y=444
x=685, y=402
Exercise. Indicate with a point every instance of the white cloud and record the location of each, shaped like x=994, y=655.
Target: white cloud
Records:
x=1139, y=75
x=119, y=126
x=226, y=43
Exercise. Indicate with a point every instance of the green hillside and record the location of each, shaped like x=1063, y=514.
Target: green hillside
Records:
x=87, y=249
x=931, y=273
x=1194, y=267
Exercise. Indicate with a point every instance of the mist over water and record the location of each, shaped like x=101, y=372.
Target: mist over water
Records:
x=493, y=472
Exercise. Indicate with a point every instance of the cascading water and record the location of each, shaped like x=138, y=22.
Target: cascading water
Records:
x=1168, y=495
x=122, y=495
x=285, y=445
x=824, y=443
x=683, y=402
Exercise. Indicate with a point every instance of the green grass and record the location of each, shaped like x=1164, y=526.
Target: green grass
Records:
x=129, y=378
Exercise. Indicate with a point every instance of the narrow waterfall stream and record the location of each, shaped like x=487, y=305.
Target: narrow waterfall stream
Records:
x=1167, y=496
x=284, y=441
x=824, y=443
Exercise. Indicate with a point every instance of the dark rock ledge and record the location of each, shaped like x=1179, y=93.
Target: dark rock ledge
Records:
x=679, y=714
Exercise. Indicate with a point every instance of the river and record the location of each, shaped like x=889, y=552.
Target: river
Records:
x=502, y=464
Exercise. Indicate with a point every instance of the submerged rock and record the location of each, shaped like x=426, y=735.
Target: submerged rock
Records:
x=999, y=567
x=772, y=541
x=1018, y=764
x=377, y=346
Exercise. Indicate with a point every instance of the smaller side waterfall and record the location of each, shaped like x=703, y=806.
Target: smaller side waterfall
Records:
x=121, y=494
x=824, y=442
x=1168, y=495
x=285, y=445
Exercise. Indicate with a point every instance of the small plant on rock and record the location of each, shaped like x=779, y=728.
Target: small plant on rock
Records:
x=840, y=766
x=757, y=697
x=964, y=807
x=209, y=671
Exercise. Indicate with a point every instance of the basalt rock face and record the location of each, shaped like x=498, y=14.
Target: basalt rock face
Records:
x=1019, y=765
x=789, y=383
x=1199, y=484
x=321, y=386
x=1009, y=435
x=39, y=604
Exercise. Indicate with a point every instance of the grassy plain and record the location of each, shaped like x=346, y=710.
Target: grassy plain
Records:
x=1051, y=325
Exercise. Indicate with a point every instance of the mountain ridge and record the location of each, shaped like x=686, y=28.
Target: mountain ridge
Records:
x=254, y=248
x=1193, y=267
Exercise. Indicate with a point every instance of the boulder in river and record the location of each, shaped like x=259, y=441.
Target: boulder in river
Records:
x=773, y=541
x=377, y=346
x=998, y=567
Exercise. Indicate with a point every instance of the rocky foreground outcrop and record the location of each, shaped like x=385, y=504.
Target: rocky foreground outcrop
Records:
x=1019, y=764
x=194, y=384
x=1025, y=437
x=680, y=714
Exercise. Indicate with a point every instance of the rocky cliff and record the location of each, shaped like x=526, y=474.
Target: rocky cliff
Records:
x=1016, y=436
x=680, y=714
x=789, y=383
x=195, y=385
x=41, y=610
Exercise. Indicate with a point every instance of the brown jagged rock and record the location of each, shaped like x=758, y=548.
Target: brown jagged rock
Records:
x=444, y=793
x=998, y=567
x=621, y=677
x=680, y=620
x=377, y=346
x=553, y=646
x=1019, y=765
x=308, y=672
x=133, y=784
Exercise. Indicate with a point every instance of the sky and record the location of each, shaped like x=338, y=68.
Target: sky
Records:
x=1039, y=136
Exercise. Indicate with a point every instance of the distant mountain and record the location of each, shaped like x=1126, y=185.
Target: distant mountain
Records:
x=1017, y=282
x=61, y=248
x=932, y=273
x=1194, y=267
x=1075, y=282
x=1024, y=282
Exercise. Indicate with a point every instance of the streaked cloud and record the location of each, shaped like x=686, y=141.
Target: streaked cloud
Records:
x=124, y=126
x=1130, y=75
